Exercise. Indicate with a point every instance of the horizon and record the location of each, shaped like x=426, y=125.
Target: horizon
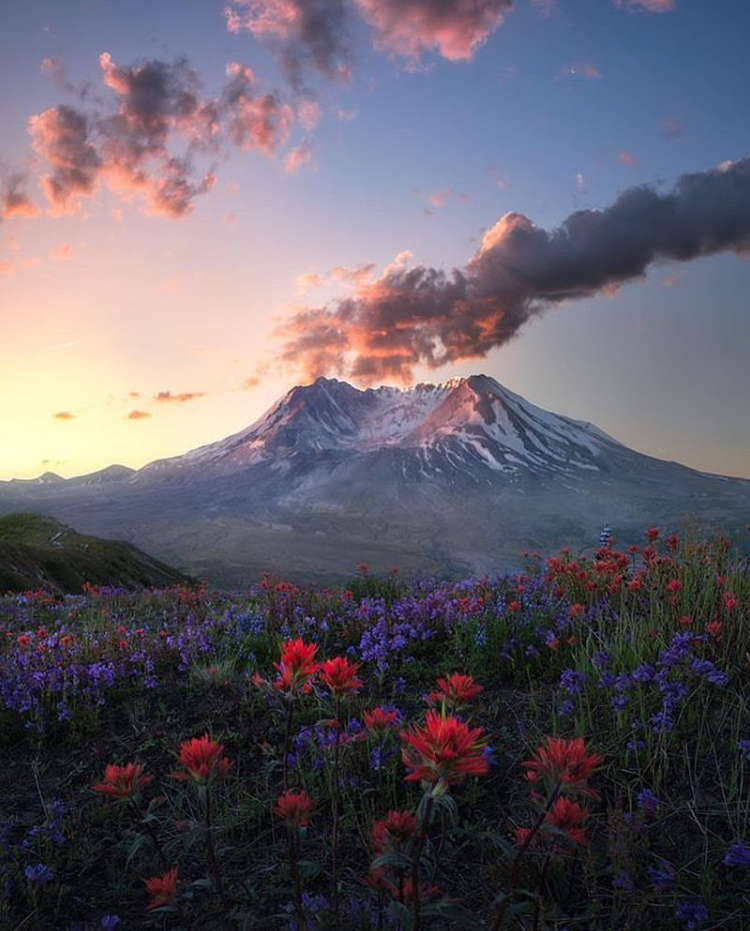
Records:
x=196, y=214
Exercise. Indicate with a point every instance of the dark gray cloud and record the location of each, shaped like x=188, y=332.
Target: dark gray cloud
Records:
x=423, y=315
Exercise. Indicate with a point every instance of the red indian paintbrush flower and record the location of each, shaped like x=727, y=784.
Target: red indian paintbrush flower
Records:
x=393, y=831
x=568, y=816
x=202, y=760
x=295, y=808
x=297, y=665
x=340, y=676
x=122, y=782
x=444, y=750
x=163, y=889
x=380, y=720
x=457, y=690
x=565, y=763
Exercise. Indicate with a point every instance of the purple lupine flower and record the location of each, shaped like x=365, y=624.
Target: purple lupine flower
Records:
x=737, y=855
x=647, y=801
x=693, y=913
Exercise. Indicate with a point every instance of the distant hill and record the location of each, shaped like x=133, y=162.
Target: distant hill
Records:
x=39, y=552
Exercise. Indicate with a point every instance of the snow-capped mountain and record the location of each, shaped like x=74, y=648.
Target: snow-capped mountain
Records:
x=465, y=425
x=454, y=477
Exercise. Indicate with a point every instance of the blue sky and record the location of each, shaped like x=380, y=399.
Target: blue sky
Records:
x=110, y=298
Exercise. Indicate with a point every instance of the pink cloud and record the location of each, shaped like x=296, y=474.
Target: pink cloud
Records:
x=255, y=120
x=138, y=415
x=653, y=6
x=581, y=69
x=303, y=33
x=62, y=252
x=63, y=415
x=61, y=136
x=672, y=128
x=454, y=29
x=669, y=282
x=299, y=157
x=627, y=158
x=6, y=268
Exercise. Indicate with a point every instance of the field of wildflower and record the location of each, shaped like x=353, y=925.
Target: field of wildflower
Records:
x=567, y=748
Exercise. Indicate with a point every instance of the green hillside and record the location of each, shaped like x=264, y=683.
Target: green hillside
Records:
x=39, y=552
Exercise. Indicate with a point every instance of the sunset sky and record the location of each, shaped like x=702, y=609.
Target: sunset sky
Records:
x=204, y=204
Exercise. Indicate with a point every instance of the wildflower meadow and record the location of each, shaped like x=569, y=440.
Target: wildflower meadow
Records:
x=566, y=748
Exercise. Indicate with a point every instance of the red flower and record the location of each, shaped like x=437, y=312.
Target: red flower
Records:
x=393, y=831
x=565, y=763
x=66, y=640
x=23, y=641
x=713, y=628
x=340, y=676
x=444, y=750
x=123, y=782
x=730, y=602
x=457, y=689
x=295, y=808
x=514, y=606
x=163, y=889
x=652, y=534
x=634, y=585
x=568, y=816
x=379, y=720
x=297, y=665
x=685, y=621
x=674, y=585
x=202, y=759
x=364, y=568
x=576, y=610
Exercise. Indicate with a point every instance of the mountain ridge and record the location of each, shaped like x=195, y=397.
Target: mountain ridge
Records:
x=456, y=477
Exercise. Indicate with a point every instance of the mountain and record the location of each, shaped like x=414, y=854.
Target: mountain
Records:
x=457, y=477
x=41, y=553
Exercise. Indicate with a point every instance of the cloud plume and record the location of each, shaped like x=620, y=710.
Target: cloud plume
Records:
x=426, y=316
x=61, y=136
x=14, y=202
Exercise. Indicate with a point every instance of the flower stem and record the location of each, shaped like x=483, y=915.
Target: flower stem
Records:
x=415, y=897
x=335, y=826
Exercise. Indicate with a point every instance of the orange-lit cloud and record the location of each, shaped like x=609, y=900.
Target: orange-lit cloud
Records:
x=62, y=252
x=6, y=268
x=62, y=137
x=14, y=202
x=669, y=282
x=249, y=383
x=627, y=158
x=63, y=415
x=138, y=415
x=168, y=397
x=421, y=315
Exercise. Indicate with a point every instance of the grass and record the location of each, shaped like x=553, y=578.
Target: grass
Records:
x=643, y=655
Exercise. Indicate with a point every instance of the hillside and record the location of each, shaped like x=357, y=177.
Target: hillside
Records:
x=39, y=552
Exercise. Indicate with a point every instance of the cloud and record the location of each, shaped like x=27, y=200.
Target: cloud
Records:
x=653, y=6
x=138, y=415
x=305, y=34
x=14, y=202
x=6, y=268
x=249, y=383
x=669, y=282
x=62, y=137
x=62, y=252
x=627, y=158
x=255, y=120
x=63, y=415
x=299, y=157
x=421, y=315
x=168, y=397
x=672, y=128
x=581, y=69
x=454, y=28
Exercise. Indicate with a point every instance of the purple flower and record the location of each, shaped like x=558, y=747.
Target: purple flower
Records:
x=744, y=747
x=110, y=922
x=623, y=880
x=38, y=875
x=662, y=876
x=737, y=855
x=647, y=801
x=693, y=913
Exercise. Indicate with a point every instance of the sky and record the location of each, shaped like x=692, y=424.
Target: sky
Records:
x=204, y=204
